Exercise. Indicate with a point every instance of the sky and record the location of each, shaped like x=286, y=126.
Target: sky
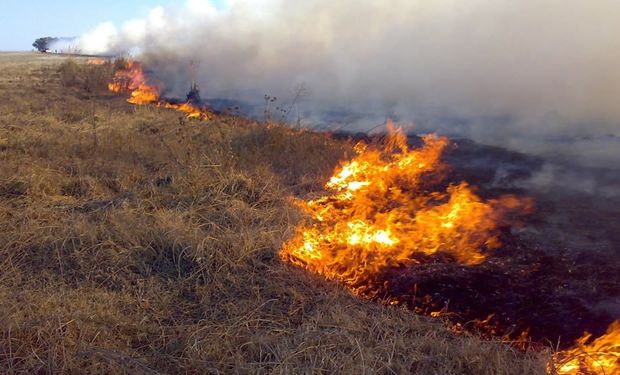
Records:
x=23, y=21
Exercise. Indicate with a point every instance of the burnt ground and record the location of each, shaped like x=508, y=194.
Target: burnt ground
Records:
x=556, y=275
x=522, y=287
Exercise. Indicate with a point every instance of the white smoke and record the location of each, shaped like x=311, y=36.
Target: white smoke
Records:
x=499, y=71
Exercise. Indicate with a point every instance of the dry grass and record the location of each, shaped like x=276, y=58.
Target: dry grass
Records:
x=130, y=243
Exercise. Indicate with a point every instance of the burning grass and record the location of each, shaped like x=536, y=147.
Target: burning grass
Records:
x=130, y=243
x=386, y=220
x=385, y=211
x=131, y=79
x=592, y=356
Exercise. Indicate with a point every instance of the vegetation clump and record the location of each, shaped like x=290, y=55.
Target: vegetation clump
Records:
x=91, y=78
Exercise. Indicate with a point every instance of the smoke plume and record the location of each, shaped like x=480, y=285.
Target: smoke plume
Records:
x=537, y=75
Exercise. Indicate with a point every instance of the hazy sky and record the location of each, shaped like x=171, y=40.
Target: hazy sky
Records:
x=22, y=21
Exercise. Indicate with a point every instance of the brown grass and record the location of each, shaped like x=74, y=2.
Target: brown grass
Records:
x=132, y=244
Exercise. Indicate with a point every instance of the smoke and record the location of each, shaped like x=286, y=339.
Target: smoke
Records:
x=530, y=74
x=552, y=178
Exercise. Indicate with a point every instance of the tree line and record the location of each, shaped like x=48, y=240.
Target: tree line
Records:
x=45, y=44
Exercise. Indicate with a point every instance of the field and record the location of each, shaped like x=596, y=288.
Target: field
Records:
x=134, y=241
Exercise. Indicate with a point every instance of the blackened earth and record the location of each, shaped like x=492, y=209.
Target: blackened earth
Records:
x=556, y=276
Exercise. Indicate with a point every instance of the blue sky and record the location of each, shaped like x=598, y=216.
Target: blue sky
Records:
x=22, y=21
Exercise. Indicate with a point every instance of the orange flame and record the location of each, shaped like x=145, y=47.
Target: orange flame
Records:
x=97, y=62
x=132, y=79
x=601, y=356
x=380, y=213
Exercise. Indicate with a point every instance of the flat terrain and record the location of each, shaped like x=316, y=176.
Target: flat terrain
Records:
x=134, y=241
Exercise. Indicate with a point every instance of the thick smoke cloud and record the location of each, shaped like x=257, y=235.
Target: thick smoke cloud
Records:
x=538, y=75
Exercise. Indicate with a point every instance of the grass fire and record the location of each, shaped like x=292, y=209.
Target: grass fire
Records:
x=131, y=79
x=384, y=213
x=592, y=356
x=390, y=207
x=310, y=187
x=400, y=220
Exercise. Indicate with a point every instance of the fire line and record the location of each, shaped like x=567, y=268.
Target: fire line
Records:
x=380, y=211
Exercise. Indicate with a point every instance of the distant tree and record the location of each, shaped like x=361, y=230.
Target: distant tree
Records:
x=43, y=44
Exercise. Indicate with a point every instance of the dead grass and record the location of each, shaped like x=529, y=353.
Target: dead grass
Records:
x=143, y=246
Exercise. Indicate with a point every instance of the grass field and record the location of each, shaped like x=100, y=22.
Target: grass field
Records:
x=134, y=242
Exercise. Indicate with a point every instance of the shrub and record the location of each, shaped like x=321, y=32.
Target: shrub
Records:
x=69, y=73
x=92, y=78
x=96, y=77
x=121, y=63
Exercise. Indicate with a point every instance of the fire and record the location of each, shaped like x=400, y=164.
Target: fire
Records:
x=144, y=94
x=381, y=211
x=187, y=108
x=601, y=356
x=132, y=79
x=96, y=62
